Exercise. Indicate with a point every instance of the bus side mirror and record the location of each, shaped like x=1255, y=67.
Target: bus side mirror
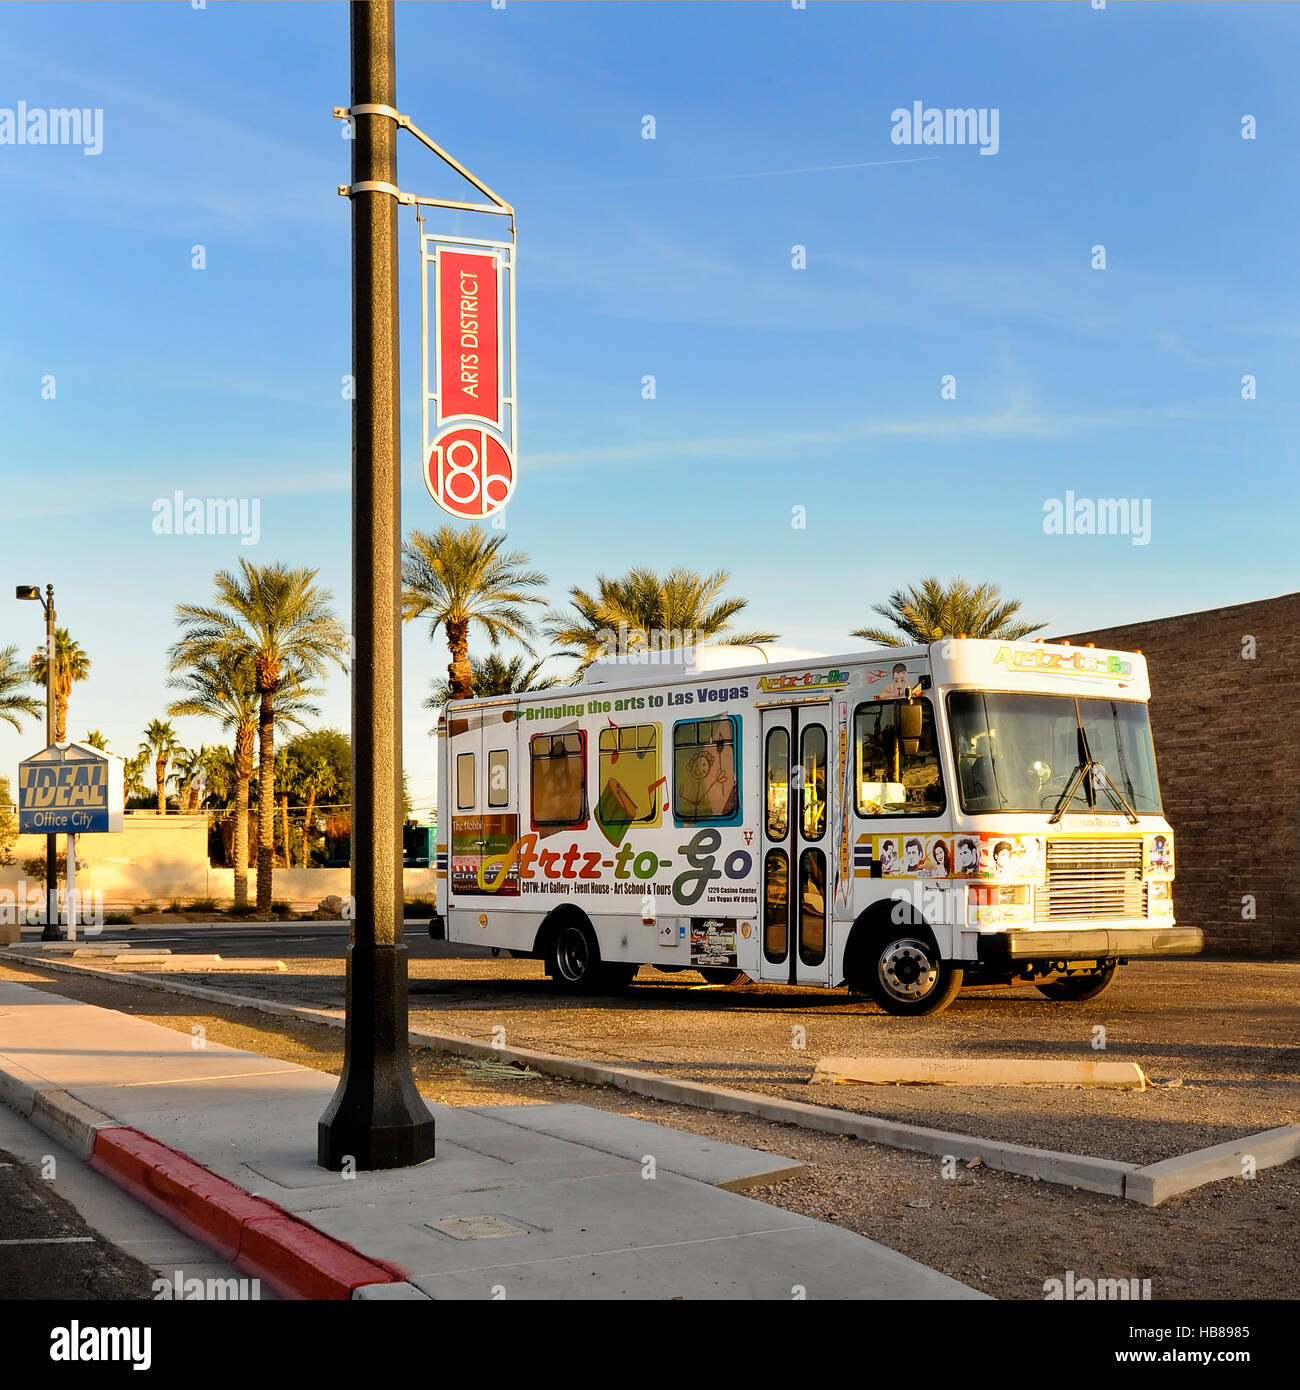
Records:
x=909, y=723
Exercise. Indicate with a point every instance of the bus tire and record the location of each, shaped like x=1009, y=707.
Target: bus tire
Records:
x=573, y=959
x=1076, y=988
x=720, y=975
x=905, y=974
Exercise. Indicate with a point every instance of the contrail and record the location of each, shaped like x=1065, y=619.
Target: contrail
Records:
x=768, y=173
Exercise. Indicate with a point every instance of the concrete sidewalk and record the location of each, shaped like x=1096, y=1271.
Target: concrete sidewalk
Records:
x=522, y=1201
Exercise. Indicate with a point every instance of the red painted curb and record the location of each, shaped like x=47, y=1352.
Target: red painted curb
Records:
x=321, y=1266
x=298, y=1260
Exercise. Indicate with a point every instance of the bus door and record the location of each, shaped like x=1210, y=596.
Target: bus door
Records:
x=485, y=800
x=797, y=843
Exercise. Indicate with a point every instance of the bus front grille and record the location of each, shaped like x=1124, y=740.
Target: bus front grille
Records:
x=1092, y=879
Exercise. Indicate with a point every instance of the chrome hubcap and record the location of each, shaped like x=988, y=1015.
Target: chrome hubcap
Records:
x=906, y=970
x=571, y=954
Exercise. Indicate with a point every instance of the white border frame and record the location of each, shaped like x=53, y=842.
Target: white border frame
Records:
x=507, y=429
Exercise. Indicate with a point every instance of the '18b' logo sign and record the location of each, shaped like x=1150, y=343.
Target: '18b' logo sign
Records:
x=469, y=472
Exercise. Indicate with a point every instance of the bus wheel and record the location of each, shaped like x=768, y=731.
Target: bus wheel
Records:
x=1077, y=988
x=719, y=975
x=573, y=959
x=908, y=977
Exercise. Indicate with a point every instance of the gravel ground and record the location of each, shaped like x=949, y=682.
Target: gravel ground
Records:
x=995, y=1231
x=1221, y=1038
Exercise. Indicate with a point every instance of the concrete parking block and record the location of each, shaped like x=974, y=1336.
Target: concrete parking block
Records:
x=204, y=964
x=977, y=1071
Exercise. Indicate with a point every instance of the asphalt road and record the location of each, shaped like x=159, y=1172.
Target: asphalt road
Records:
x=48, y=1250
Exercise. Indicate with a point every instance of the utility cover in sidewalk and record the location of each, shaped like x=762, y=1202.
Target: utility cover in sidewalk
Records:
x=477, y=1227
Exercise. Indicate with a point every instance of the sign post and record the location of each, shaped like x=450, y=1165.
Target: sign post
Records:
x=376, y=1118
x=70, y=888
x=74, y=789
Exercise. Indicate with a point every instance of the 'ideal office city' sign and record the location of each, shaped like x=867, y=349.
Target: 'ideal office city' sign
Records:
x=468, y=417
x=70, y=789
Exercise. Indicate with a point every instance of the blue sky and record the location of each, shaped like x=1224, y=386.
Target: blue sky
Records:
x=671, y=257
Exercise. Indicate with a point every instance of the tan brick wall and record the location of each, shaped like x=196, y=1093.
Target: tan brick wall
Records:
x=1227, y=735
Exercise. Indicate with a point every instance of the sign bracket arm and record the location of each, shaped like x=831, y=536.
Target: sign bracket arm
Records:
x=496, y=203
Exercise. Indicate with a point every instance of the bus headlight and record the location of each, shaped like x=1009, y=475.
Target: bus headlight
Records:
x=996, y=903
x=1160, y=899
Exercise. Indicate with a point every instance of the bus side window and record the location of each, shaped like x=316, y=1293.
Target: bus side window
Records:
x=706, y=781
x=498, y=777
x=629, y=775
x=558, y=763
x=464, y=781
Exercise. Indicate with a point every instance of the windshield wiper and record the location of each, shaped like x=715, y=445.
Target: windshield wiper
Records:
x=1067, y=796
x=1129, y=812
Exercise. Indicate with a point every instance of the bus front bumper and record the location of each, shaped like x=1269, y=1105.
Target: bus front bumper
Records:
x=1089, y=943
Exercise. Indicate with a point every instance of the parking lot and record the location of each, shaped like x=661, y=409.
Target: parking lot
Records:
x=1223, y=1029
x=1218, y=1037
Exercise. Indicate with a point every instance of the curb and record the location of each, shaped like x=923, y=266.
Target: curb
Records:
x=1171, y=1176
x=255, y=1234
x=1148, y=1185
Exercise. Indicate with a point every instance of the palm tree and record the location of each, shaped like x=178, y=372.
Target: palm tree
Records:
x=459, y=577
x=190, y=765
x=288, y=782
x=493, y=675
x=219, y=777
x=94, y=739
x=276, y=619
x=70, y=664
x=316, y=777
x=160, y=743
x=925, y=613
x=641, y=609
x=8, y=823
x=15, y=704
x=227, y=691
x=133, y=784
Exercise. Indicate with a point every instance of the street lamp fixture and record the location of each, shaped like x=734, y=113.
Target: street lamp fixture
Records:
x=33, y=591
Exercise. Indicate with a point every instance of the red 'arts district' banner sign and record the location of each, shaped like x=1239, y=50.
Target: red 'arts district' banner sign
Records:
x=469, y=428
x=469, y=332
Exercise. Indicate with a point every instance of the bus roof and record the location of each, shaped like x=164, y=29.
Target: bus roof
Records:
x=978, y=663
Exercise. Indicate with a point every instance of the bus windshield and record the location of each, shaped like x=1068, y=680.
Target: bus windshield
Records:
x=1021, y=752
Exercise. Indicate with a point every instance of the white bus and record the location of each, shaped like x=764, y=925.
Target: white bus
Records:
x=902, y=822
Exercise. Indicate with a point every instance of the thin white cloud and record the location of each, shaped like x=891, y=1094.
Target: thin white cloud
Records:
x=758, y=174
x=1014, y=423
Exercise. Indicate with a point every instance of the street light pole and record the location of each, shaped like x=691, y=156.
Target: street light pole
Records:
x=33, y=591
x=376, y=1118
x=50, y=932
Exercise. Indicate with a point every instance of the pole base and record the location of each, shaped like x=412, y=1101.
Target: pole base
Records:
x=377, y=1118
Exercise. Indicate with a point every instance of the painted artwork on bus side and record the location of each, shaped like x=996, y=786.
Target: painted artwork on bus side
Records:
x=1001, y=858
